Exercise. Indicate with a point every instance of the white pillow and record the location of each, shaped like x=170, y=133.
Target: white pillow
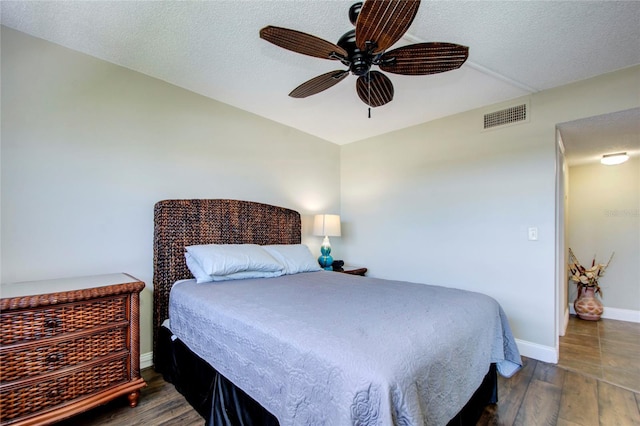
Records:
x=202, y=277
x=196, y=270
x=245, y=275
x=296, y=258
x=226, y=259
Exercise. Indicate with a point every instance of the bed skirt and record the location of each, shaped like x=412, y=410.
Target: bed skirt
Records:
x=221, y=403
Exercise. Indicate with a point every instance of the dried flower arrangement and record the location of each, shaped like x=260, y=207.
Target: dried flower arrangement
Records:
x=584, y=277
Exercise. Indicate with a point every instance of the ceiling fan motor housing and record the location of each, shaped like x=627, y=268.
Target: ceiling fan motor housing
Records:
x=359, y=62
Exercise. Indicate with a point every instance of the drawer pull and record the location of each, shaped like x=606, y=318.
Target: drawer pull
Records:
x=53, y=358
x=53, y=393
x=52, y=323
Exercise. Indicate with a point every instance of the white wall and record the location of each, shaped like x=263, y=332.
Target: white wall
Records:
x=88, y=148
x=449, y=204
x=604, y=217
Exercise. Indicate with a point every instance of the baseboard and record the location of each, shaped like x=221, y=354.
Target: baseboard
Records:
x=616, y=314
x=146, y=360
x=621, y=314
x=537, y=351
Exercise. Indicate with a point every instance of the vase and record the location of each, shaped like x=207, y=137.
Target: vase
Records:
x=587, y=305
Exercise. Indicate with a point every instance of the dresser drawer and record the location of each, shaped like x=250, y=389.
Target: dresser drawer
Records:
x=42, y=322
x=47, y=355
x=21, y=400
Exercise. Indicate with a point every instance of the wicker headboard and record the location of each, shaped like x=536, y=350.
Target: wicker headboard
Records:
x=180, y=223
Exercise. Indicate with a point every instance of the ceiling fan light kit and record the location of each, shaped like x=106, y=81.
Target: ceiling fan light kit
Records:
x=378, y=25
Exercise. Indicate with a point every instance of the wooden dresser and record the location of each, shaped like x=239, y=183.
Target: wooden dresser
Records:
x=68, y=345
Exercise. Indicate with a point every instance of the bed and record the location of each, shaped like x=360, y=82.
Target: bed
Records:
x=336, y=352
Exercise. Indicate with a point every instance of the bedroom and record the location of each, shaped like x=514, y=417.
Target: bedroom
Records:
x=88, y=148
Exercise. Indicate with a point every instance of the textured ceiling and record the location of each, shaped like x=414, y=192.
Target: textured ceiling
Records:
x=587, y=140
x=212, y=48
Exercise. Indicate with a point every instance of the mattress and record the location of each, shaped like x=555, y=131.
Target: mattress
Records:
x=330, y=348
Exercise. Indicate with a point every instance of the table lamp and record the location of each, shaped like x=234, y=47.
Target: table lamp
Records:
x=326, y=225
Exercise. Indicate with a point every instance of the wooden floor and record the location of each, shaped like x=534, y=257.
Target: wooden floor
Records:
x=607, y=350
x=596, y=381
x=580, y=390
x=159, y=405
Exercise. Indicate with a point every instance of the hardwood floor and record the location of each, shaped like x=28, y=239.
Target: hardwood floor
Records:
x=607, y=350
x=545, y=394
x=596, y=381
x=582, y=390
x=159, y=405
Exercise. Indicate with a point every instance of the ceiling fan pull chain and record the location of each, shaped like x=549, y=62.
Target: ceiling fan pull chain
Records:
x=369, y=87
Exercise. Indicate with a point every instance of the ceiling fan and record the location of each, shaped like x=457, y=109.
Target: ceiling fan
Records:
x=378, y=25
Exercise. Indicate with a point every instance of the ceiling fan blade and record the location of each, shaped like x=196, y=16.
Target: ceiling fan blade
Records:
x=375, y=89
x=424, y=58
x=383, y=22
x=304, y=43
x=318, y=84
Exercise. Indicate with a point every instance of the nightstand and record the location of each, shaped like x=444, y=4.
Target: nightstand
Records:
x=352, y=270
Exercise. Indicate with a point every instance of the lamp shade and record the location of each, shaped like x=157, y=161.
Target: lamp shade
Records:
x=326, y=225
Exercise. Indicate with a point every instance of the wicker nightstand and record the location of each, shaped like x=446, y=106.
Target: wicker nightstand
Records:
x=68, y=345
x=352, y=270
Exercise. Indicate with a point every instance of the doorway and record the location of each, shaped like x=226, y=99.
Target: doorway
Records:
x=609, y=222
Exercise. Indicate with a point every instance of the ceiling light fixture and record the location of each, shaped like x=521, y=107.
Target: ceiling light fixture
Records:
x=613, y=159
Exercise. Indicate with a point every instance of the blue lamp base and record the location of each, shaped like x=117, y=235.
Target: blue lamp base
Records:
x=326, y=261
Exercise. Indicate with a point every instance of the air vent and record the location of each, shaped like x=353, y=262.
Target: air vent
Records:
x=505, y=116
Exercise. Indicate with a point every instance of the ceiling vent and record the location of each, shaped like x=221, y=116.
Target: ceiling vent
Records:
x=511, y=115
